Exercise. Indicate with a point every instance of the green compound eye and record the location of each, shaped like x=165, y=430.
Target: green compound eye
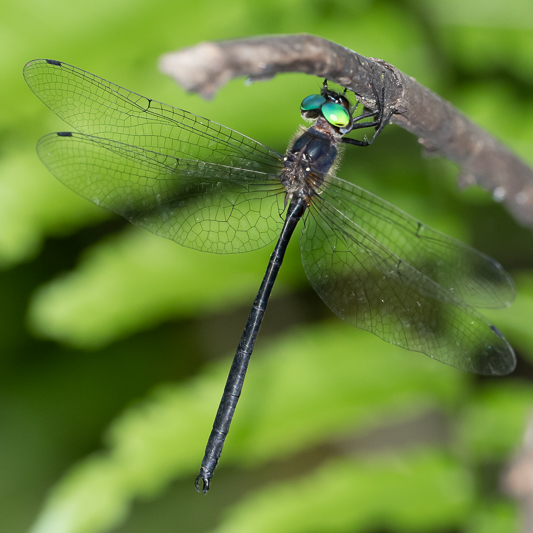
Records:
x=313, y=102
x=335, y=114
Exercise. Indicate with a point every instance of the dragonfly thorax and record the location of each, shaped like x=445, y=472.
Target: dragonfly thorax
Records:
x=308, y=161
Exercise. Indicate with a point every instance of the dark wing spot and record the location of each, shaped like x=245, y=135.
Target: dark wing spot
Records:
x=398, y=268
x=497, y=331
x=53, y=62
x=64, y=134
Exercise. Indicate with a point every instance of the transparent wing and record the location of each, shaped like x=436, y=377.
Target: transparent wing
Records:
x=375, y=272
x=95, y=106
x=470, y=275
x=206, y=206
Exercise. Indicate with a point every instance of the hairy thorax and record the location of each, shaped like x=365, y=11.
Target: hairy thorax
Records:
x=310, y=158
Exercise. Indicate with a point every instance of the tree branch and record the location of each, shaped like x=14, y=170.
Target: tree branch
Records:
x=440, y=127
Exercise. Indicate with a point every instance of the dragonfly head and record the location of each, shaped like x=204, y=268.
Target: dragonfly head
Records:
x=334, y=107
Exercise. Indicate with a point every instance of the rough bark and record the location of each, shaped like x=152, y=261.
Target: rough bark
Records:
x=440, y=128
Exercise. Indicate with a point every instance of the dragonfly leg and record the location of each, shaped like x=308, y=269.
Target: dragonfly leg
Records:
x=380, y=122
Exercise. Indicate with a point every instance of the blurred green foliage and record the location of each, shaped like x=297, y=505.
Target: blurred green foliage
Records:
x=114, y=344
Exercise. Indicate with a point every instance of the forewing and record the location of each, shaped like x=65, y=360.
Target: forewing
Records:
x=95, y=106
x=372, y=288
x=467, y=273
x=206, y=206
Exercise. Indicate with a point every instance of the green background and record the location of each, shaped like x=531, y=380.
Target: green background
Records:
x=115, y=344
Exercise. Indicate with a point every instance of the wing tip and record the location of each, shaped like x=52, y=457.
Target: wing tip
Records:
x=498, y=358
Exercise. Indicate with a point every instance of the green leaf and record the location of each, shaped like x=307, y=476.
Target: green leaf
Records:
x=415, y=491
x=314, y=385
x=133, y=281
x=495, y=420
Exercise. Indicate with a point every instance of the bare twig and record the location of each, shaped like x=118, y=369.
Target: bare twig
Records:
x=440, y=127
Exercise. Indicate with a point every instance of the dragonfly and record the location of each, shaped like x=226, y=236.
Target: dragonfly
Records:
x=208, y=187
